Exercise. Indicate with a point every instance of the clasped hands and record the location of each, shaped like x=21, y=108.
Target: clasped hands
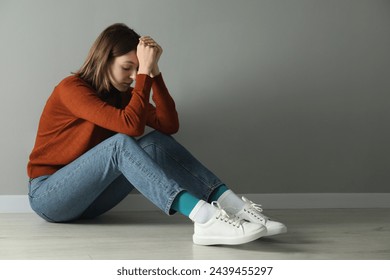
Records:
x=148, y=54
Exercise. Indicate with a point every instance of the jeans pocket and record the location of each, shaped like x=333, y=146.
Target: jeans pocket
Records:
x=34, y=185
x=31, y=190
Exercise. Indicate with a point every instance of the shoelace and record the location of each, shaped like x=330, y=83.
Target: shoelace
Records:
x=256, y=207
x=223, y=216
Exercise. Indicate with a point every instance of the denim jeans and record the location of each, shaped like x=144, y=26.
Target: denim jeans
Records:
x=156, y=165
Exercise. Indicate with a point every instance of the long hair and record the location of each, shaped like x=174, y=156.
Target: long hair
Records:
x=116, y=40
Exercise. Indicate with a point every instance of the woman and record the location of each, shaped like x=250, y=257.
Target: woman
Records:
x=86, y=159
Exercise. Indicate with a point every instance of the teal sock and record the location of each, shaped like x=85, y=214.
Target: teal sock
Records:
x=184, y=203
x=217, y=193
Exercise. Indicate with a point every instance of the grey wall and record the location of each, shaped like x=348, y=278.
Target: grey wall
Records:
x=274, y=96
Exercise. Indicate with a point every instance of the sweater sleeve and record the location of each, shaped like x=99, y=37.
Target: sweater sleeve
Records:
x=83, y=103
x=162, y=117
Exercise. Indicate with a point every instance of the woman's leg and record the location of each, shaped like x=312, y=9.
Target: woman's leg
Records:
x=72, y=191
x=184, y=168
x=180, y=165
x=68, y=193
x=119, y=189
x=109, y=198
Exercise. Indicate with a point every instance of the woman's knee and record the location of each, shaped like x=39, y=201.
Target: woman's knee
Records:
x=155, y=137
x=123, y=139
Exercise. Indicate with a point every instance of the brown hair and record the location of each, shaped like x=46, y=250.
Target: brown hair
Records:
x=115, y=40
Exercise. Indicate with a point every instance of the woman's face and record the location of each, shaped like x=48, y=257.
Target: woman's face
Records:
x=123, y=71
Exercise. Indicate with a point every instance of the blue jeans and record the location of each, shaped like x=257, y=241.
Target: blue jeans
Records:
x=156, y=165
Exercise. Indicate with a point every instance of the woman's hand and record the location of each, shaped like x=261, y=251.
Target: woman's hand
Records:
x=149, y=53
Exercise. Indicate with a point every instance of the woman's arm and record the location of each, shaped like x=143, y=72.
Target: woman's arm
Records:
x=164, y=116
x=82, y=102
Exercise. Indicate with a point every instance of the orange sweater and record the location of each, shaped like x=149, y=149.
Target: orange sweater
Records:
x=75, y=119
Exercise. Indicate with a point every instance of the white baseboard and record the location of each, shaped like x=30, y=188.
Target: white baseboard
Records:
x=136, y=202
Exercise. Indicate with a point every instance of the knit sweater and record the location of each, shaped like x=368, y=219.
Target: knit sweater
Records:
x=75, y=119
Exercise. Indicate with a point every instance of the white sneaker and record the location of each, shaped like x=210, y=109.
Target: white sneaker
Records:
x=227, y=230
x=252, y=213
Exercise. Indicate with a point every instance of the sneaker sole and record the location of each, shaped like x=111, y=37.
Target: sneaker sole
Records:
x=275, y=231
x=223, y=240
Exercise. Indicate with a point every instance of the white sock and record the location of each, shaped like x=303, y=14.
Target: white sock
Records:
x=231, y=202
x=202, y=212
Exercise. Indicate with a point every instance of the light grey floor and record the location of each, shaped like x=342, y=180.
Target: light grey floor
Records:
x=313, y=234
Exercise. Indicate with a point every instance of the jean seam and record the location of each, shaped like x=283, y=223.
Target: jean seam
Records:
x=156, y=146
x=153, y=178
x=171, y=199
x=141, y=166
